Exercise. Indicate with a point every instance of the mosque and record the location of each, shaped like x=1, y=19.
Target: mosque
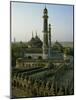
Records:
x=40, y=53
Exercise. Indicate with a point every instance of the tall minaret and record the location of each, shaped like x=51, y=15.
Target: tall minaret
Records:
x=49, y=42
x=45, y=33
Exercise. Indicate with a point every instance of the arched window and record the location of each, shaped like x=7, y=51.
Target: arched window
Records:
x=14, y=83
x=18, y=84
x=29, y=57
x=39, y=57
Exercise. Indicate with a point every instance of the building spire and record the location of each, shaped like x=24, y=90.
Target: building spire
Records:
x=32, y=34
x=50, y=34
x=49, y=27
x=49, y=42
x=45, y=5
x=36, y=33
x=45, y=32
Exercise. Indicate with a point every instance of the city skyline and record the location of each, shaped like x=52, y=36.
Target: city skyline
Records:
x=27, y=18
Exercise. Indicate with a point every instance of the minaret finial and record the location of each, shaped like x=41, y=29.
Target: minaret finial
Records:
x=45, y=5
x=49, y=25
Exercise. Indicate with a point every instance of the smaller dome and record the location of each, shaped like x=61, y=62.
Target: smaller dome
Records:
x=35, y=42
x=32, y=40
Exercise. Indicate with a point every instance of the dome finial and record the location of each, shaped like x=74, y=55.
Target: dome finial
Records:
x=32, y=34
x=36, y=33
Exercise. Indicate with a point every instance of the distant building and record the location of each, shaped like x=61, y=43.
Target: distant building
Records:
x=57, y=46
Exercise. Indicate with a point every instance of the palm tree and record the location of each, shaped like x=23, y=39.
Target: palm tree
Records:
x=60, y=92
x=42, y=89
x=47, y=88
x=36, y=88
x=51, y=91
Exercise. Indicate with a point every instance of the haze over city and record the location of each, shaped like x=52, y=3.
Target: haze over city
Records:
x=27, y=18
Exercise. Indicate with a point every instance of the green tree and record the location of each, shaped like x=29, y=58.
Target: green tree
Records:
x=68, y=51
x=51, y=65
x=13, y=59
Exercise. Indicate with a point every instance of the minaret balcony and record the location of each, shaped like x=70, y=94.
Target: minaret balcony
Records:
x=45, y=16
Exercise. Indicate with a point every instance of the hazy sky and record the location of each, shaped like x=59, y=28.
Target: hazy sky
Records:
x=27, y=18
